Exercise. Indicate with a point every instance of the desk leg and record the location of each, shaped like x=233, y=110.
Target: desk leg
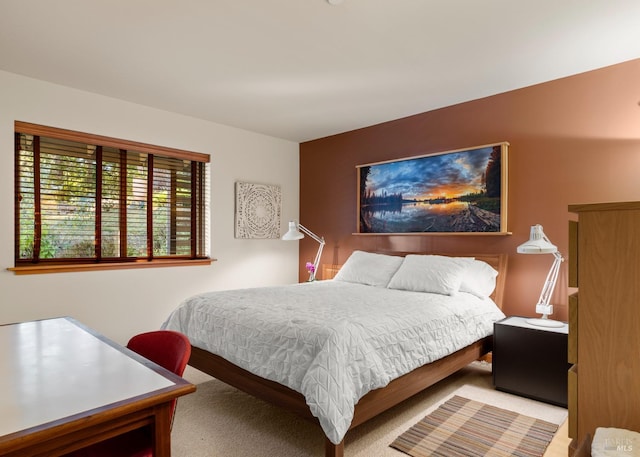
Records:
x=162, y=431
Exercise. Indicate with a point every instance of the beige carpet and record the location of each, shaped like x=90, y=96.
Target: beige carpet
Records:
x=220, y=421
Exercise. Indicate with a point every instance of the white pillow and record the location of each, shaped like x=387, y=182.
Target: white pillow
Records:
x=430, y=273
x=479, y=278
x=368, y=268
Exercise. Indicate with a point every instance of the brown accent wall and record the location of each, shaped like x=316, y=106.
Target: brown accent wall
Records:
x=572, y=140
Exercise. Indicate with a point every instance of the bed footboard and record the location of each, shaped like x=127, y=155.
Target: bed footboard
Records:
x=333, y=450
x=369, y=406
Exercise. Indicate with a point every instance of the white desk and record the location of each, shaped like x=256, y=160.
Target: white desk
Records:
x=63, y=386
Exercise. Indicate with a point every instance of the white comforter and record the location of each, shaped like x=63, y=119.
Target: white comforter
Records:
x=332, y=341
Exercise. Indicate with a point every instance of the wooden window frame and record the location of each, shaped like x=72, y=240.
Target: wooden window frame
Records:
x=198, y=217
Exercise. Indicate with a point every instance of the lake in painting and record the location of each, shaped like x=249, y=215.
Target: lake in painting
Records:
x=450, y=192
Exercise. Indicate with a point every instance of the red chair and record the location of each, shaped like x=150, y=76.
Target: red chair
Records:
x=170, y=350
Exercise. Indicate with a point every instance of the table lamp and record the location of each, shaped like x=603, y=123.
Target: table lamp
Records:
x=296, y=232
x=539, y=244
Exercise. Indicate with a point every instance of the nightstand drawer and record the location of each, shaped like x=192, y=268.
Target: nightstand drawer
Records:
x=530, y=361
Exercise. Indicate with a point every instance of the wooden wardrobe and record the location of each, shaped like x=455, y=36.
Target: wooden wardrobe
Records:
x=604, y=318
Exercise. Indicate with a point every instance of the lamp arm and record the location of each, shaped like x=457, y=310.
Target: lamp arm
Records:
x=550, y=282
x=320, y=240
x=316, y=261
x=305, y=230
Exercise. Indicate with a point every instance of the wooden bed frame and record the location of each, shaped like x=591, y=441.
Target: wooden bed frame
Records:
x=374, y=402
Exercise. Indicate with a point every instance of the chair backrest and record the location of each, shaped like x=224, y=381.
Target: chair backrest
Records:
x=171, y=350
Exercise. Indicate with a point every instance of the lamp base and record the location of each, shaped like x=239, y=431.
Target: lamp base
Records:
x=544, y=322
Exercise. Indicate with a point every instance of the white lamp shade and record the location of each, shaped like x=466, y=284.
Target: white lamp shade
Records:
x=538, y=243
x=293, y=233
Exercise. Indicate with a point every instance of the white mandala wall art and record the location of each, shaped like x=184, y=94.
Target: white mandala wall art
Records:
x=258, y=208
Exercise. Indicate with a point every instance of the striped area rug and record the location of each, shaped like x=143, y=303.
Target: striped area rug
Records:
x=468, y=428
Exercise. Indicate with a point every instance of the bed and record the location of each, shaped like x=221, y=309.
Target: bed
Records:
x=341, y=351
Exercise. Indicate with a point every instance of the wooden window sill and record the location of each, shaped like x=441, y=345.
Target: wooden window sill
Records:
x=40, y=269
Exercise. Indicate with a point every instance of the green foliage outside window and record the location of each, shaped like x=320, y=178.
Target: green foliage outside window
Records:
x=79, y=201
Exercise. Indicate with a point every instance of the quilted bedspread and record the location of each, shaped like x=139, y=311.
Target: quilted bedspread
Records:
x=332, y=341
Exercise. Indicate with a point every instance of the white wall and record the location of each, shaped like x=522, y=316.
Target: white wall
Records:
x=124, y=302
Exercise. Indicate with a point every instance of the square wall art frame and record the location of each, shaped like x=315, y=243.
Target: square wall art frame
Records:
x=453, y=192
x=258, y=208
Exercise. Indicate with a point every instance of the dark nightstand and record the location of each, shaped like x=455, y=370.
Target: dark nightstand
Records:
x=531, y=361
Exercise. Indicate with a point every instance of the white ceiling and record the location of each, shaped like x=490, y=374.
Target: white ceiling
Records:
x=305, y=69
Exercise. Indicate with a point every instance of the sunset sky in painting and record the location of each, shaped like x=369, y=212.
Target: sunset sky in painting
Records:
x=450, y=175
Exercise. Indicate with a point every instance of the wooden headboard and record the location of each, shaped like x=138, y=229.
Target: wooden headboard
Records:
x=497, y=261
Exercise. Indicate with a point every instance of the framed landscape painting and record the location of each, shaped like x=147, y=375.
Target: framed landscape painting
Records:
x=461, y=191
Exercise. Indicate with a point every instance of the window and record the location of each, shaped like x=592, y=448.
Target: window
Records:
x=84, y=199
